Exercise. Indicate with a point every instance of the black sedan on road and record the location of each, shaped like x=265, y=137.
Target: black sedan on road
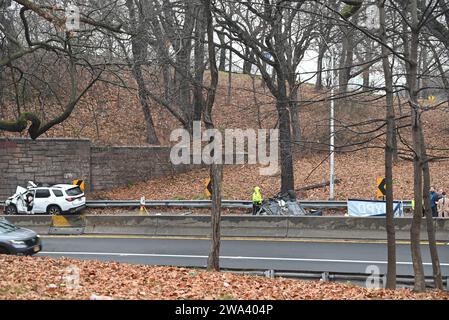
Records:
x=18, y=241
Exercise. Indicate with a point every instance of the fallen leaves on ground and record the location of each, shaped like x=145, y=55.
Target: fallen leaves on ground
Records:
x=45, y=278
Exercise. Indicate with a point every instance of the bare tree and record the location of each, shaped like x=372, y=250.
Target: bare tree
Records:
x=139, y=43
x=389, y=150
x=216, y=169
x=277, y=45
x=59, y=43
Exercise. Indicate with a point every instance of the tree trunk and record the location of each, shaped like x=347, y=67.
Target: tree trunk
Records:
x=436, y=267
x=424, y=69
x=256, y=102
x=366, y=80
x=216, y=174
x=389, y=149
x=342, y=81
x=183, y=87
x=247, y=65
x=229, y=97
x=183, y=65
x=222, y=65
x=319, y=75
x=198, y=99
x=294, y=114
x=216, y=170
x=417, y=214
x=346, y=60
x=287, y=175
x=296, y=129
x=440, y=69
x=139, y=47
x=418, y=268
x=151, y=135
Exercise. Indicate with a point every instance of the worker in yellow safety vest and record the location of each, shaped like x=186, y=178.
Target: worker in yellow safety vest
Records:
x=257, y=200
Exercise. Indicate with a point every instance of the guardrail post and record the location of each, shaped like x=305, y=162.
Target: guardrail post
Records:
x=269, y=273
x=382, y=281
x=325, y=276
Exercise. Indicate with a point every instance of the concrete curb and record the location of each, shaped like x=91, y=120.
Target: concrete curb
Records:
x=241, y=226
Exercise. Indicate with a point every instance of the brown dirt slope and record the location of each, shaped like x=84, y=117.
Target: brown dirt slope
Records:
x=358, y=173
x=112, y=116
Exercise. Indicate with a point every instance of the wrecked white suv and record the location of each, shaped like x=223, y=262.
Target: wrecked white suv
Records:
x=54, y=200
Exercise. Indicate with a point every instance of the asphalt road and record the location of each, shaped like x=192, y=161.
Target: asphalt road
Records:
x=260, y=254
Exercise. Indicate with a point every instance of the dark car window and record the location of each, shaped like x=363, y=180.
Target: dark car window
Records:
x=5, y=226
x=74, y=192
x=57, y=193
x=42, y=193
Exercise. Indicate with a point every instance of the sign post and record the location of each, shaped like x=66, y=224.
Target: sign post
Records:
x=142, y=205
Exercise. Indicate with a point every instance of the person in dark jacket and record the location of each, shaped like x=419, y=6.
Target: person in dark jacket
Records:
x=29, y=200
x=434, y=197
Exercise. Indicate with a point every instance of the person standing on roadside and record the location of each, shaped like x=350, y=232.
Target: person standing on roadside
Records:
x=433, y=201
x=257, y=200
x=440, y=194
x=443, y=206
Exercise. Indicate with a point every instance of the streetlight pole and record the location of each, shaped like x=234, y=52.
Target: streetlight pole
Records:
x=331, y=123
x=332, y=130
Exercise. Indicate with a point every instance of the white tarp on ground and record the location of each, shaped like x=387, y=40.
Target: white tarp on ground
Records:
x=365, y=208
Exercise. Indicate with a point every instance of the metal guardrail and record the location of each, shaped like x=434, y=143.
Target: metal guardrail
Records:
x=166, y=203
x=332, y=276
x=235, y=204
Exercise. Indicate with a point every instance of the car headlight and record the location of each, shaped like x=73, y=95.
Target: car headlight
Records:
x=17, y=242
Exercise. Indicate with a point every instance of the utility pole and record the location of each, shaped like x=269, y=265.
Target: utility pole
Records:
x=229, y=76
x=332, y=129
x=331, y=123
x=228, y=100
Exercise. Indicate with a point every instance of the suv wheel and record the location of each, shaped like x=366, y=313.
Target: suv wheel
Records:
x=11, y=210
x=53, y=210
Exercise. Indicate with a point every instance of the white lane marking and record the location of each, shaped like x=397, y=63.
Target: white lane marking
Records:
x=227, y=257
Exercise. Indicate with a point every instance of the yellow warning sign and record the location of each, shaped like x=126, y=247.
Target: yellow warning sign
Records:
x=381, y=188
x=208, y=187
x=79, y=183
